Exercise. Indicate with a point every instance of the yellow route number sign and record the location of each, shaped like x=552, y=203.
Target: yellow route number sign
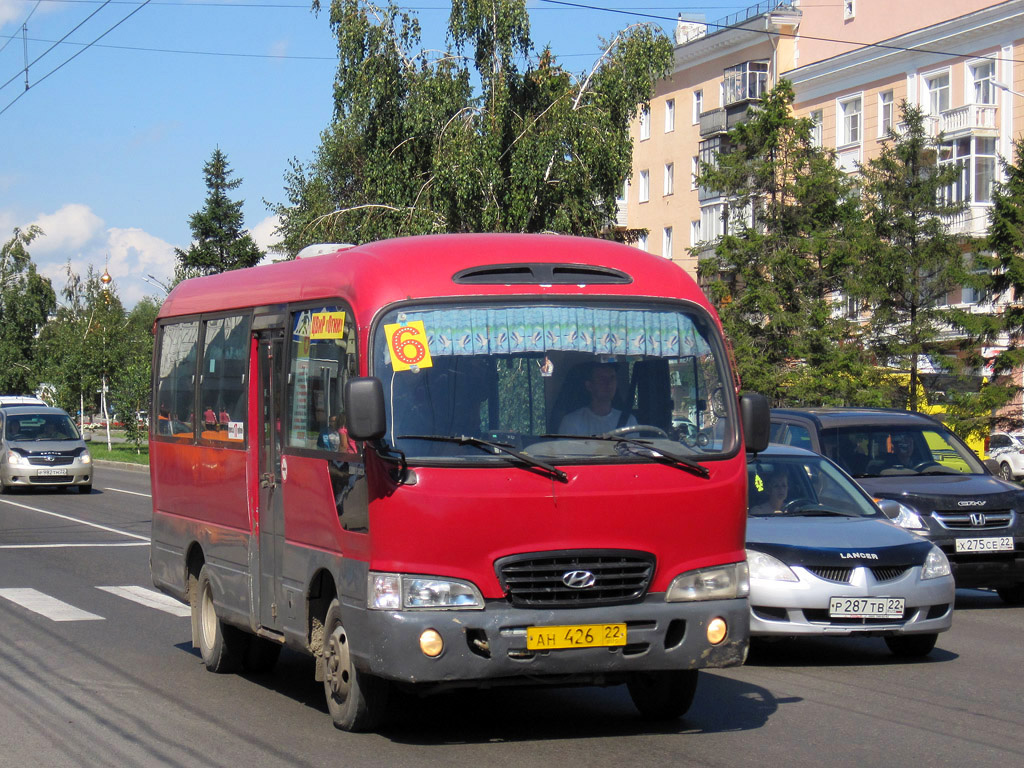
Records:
x=407, y=345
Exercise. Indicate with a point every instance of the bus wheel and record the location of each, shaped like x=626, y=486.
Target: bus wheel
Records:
x=355, y=699
x=663, y=695
x=220, y=645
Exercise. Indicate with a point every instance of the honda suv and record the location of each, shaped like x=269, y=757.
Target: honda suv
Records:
x=927, y=480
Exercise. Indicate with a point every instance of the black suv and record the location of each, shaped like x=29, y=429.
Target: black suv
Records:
x=927, y=480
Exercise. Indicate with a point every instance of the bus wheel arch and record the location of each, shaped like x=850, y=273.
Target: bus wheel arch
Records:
x=356, y=700
x=322, y=592
x=221, y=645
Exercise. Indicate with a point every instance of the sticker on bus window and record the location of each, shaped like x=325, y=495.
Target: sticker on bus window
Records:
x=407, y=345
x=327, y=325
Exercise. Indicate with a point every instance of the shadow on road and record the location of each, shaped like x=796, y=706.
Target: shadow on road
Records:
x=835, y=652
x=474, y=716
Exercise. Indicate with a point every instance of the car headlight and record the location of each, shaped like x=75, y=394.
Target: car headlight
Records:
x=901, y=514
x=764, y=566
x=935, y=565
x=15, y=459
x=722, y=582
x=398, y=592
x=85, y=458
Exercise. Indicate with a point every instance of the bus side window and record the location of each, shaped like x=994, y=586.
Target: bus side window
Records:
x=176, y=373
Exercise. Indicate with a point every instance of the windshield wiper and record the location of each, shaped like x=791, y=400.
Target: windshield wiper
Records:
x=673, y=459
x=478, y=442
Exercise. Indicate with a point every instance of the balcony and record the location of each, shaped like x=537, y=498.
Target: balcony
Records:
x=973, y=220
x=968, y=120
x=724, y=119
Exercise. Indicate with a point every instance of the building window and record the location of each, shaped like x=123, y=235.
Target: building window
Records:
x=645, y=186
x=849, y=9
x=851, y=112
x=698, y=105
x=817, y=118
x=694, y=171
x=984, y=91
x=938, y=93
x=976, y=159
x=884, y=113
x=669, y=178
x=748, y=80
x=670, y=115
x=621, y=200
x=641, y=243
x=666, y=243
x=712, y=224
x=694, y=232
x=645, y=123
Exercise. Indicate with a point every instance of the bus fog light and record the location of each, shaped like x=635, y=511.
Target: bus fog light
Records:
x=431, y=643
x=717, y=630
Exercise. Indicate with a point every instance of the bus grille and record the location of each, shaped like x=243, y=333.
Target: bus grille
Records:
x=539, y=579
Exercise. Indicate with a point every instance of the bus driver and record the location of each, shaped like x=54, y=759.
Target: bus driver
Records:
x=599, y=416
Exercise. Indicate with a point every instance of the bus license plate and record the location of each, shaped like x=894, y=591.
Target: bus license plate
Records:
x=51, y=472
x=865, y=607
x=575, y=636
x=986, y=544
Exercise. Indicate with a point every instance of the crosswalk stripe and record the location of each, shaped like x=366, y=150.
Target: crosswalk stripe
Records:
x=150, y=598
x=44, y=605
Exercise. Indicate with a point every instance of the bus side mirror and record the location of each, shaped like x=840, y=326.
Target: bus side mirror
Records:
x=364, y=408
x=756, y=419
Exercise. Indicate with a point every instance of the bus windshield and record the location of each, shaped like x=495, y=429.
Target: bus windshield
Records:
x=558, y=382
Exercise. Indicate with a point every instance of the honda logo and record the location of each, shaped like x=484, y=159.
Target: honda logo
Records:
x=578, y=579
x=977, y=519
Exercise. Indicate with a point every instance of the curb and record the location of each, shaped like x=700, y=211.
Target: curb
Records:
x=122, y=465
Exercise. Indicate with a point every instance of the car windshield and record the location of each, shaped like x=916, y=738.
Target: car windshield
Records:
x=803, y=486
x=40, y=426
x=557, y=382
x=875, y=451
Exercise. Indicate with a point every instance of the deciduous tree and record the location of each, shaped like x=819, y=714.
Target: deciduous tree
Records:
x=26, y=300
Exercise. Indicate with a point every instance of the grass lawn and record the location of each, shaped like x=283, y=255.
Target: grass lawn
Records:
x=118, y=452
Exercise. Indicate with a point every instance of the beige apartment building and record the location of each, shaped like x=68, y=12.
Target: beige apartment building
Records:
x=851, y=63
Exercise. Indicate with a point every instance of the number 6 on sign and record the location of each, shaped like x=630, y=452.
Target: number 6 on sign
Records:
x=407, y=345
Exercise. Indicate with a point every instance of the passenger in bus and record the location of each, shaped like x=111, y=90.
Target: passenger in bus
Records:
x=224, y=418
x=210, y=417
x=599, y=416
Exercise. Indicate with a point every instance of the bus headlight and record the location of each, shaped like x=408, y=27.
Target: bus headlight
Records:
x=723, y=582
x=397, y=592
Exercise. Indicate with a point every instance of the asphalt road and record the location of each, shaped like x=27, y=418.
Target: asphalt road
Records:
x=107, y=676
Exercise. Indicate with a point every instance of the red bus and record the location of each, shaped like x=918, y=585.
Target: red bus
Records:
x=455, y=460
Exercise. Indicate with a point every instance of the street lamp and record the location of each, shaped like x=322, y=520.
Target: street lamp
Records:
x=1008, y=89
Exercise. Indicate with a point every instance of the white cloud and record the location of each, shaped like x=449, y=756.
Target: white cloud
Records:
x=263, y=234
x=69, y=229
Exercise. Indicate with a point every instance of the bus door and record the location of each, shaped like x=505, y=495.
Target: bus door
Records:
x=270, y=342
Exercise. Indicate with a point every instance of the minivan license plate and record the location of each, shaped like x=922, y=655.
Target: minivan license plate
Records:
x=575, y=636
x=51, y=472
x=866, y=607
x=985, y=544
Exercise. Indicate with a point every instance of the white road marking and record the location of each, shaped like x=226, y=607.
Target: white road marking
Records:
x=133, y=493
x=83, y=544
x=151, y=599
x=49, y=607
x=76, y=520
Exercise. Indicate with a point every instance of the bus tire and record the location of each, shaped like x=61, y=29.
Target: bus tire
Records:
x=221, y=646
x=663, y=695
x=355, y=699
x=261, y=655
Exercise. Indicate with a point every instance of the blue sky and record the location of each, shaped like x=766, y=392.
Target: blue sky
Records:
x=105, y=151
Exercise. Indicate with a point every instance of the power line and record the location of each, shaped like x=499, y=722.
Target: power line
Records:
x=197, y=53
x=34, y=8
x=77, y=53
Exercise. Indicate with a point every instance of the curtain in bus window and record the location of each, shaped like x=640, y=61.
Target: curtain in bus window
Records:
x=503, y=331
x=323, y=357
x=175, y=380
x=223, y=380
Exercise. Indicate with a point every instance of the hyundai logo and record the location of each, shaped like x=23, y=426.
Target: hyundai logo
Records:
x=578, y=579
x=977, y=519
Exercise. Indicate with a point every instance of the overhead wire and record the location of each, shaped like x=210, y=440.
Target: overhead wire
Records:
x=77, y=53
x=34, y=8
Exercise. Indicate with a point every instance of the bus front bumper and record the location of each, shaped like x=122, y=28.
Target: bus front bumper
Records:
x=492, y=644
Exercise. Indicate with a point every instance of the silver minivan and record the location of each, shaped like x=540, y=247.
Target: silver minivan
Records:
x=41, y=446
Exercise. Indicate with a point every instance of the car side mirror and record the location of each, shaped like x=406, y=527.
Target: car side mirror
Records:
x=755, y=417
x=364, y=408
